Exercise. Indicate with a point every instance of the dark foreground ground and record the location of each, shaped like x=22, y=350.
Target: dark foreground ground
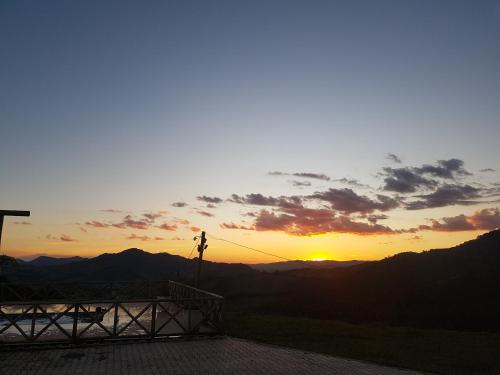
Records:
x=444, y=352
x=208, y=356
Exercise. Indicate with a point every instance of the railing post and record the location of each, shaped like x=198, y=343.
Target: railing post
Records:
x=33, y=322
x=74, y=333
x=153, y=320
x=115, y=319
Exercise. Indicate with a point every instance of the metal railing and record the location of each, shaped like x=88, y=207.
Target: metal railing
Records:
x=183, y=311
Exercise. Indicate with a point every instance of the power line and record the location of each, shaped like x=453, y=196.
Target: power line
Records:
x=249, y=248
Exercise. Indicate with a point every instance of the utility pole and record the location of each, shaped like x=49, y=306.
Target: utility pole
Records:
x=201, y=247
x=4, y=213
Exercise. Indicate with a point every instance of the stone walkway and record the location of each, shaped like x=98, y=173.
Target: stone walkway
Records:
x=210, y=356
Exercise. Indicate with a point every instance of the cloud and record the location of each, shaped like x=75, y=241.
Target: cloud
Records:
x=129, y=222
x=179, y=204
x=213, y=200
x=317, y=176
x=143, y=238
x=166, y=226
x=111, y=210
x=405, y=180
x=176, y=238
x=63, y=238
x=205, y=213
x=236, y=226
x=21, y=223
x=485, y=219
x=414, y=238
x=183, y=221
x=152, y=216
x=307, y=222
x=394, y=158
x=447, y=169
x=446, y=195
x=347, y=201
x=195, y=229
x=66, y=238
x=411, y=179
x=258, y=199
x=300, y=183
x=352, y=182
x=97, y=224
x=211, y=205
x=485, y=170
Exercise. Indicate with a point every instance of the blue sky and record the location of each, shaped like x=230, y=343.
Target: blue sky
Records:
x=136, y=104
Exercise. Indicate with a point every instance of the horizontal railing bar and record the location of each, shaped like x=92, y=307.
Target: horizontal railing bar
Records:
x=93, y=301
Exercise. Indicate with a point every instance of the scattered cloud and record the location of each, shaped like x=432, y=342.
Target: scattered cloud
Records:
x=485, y=170
x=446, y=195
x=300, y=183
x=307, y=222
x=176, y=238
x=111, y=210
x=236, y=226
x=394, y=158
x=485, y=219
x=63, y=238
x=213, y=200
x=166, y=226
x=261, y=200
x=205, y=213
x=195, y=229
x=134, y=236
x=317, y=176
x=405, y=180
x=347, y=201
x=352, y=182
x=179, y=204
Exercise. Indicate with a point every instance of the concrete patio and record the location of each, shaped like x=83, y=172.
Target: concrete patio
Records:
x=207, y=356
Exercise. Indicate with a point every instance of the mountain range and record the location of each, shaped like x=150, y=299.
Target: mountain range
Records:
x=441, y=288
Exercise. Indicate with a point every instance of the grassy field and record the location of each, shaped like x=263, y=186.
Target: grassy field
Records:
x=444, y=352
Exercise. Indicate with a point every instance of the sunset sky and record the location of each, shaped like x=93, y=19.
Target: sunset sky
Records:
x=308, y=129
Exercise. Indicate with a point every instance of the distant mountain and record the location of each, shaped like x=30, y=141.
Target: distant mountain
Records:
x=301, y=264
x=43, y=261
x=130, y=264
x=456, y=288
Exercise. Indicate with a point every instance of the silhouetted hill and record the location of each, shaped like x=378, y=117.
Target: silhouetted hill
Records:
x=442, y=288
x=300, y=264
x=43, y=261
x=130, y=264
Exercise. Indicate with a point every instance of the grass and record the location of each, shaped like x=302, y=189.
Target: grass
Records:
x=444, y=352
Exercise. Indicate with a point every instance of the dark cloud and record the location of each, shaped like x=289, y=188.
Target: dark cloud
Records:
x=394, y=158
x=316, y=176
x=405, y=180
x=373, y=218
x=447, y=169
x=179, y=204
x=211, y=205
x=487, y=170
x=300, y=183
x=205, y=213
x=449, y=224
x=307, y=222
x=261, y=200
x=347, y=201
x=213, y=200
x=446, y=195
x=236, y=226
x=412, y=179
x=352, y=182
x=152, y=216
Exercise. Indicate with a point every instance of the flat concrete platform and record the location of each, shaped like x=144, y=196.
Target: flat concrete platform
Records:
x=203, y=356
